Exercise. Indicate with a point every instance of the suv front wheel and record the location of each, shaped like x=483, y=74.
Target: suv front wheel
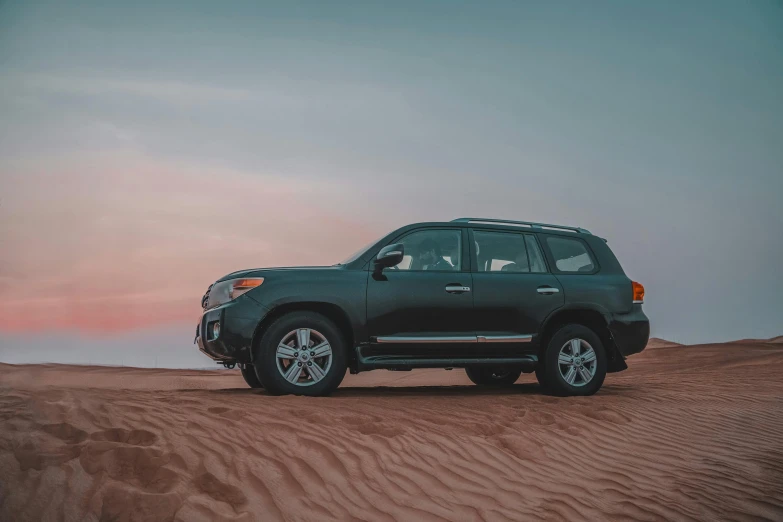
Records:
x=301, y=353
x=574, y=362
x=250, y=376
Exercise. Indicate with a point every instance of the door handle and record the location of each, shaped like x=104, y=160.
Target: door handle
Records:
x=547, y=290
x=457, y=289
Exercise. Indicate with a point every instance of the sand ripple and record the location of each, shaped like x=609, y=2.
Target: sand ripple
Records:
x=688, y=433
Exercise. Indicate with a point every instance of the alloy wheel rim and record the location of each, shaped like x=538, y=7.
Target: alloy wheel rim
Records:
x=577, y=362
x=304, y=357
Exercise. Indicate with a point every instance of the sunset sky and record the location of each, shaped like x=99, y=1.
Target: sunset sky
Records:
x=148, y=148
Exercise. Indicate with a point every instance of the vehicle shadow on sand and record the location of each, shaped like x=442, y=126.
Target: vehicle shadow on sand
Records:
x=434, y=391
x=431, y=391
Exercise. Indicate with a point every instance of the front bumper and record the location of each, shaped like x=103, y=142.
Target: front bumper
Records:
x=630, y=331
x=238, y=320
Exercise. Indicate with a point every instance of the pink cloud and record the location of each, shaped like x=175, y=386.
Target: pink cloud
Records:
x=117, y=242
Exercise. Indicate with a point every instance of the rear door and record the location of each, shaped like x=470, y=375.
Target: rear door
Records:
x=424, y=299
x=513, y=290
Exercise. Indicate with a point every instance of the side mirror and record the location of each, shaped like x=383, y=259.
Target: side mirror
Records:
x=389, y=256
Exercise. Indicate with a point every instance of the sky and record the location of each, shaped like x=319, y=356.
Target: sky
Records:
x=149, y=148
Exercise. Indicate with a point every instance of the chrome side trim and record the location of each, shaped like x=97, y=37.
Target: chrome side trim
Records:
x=426, y=340
x=455, y=339
x=638, y=302
x=505, y=338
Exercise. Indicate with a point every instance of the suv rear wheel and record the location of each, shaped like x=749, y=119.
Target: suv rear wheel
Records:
x=493, y=376
x=301, y=353
x=574, y=362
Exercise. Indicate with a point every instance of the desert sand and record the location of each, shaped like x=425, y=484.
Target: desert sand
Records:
x=687, y=433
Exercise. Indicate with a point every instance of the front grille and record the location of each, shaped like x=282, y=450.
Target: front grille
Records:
x=205, y=299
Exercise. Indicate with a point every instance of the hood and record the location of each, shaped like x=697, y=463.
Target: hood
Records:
x=259, y=272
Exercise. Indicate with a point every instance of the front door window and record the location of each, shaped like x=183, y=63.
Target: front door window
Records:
x=432, y=250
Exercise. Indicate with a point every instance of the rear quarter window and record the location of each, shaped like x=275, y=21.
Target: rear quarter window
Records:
x=570, y=255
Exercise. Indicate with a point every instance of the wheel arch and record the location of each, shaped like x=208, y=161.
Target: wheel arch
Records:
x=331, y=311
x=595, y=319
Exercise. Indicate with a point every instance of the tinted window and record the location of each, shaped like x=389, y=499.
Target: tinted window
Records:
x=507, y=252
x=432, y=250
x=570, y=255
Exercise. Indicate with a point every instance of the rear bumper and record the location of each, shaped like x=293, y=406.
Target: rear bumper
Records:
x=238, y=320
x=630, y=331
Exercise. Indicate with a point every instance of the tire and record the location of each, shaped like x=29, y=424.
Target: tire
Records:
x=541, y=375
x=250, y=376
x=279, y=354
x=498, y=377
x=554, y=372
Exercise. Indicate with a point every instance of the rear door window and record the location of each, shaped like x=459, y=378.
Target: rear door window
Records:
x=570, y=255
x=507, y=252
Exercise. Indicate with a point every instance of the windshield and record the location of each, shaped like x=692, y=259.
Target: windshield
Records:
x=358, y=253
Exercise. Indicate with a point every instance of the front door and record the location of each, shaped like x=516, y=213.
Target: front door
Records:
x=513, y=292
x=427, y=298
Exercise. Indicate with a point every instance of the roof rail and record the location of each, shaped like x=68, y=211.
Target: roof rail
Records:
x=530, y=224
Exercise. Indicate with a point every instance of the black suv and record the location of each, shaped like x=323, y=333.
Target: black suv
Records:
x=495, y=297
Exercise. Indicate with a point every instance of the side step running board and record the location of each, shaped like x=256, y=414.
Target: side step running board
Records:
x=390, y=362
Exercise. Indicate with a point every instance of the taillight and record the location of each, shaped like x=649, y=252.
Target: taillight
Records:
x=638, y=292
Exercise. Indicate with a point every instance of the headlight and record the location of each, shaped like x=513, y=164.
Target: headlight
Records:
x=225, y=291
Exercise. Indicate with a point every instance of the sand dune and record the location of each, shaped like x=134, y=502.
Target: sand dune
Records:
x=655, y=342
x=687, y=433
x=773, y=340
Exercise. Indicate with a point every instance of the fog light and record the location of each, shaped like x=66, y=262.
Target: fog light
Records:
x=215, y=330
